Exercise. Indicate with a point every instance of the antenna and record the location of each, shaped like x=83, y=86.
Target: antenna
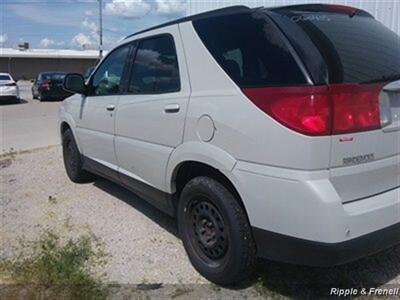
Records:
x=100, y=28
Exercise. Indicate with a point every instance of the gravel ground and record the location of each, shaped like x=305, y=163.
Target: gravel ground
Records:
x=142, y=242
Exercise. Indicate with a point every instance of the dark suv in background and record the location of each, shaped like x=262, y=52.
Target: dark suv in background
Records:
x=48, y=86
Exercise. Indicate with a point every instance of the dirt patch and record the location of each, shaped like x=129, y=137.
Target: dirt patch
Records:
x=4, y=163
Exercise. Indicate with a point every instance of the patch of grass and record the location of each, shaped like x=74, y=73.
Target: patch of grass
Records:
x=66, y=268
x=180, y=291
x=9, y=154
x=12, y=153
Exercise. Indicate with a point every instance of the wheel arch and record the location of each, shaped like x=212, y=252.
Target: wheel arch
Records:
x=67, y=122
x=198, y=152
x=201, y=159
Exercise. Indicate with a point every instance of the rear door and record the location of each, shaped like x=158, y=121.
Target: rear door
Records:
x=151, y=113
x=360, y=60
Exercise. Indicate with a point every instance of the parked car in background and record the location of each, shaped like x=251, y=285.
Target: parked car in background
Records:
x=88, y=72
x=48, y=86
x=9, y=90
x=267, y=132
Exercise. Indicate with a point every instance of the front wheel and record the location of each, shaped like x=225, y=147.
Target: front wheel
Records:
x=73, y=159
x=215, y=232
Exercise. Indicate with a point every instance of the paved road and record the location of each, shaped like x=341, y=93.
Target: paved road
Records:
x=28, y=125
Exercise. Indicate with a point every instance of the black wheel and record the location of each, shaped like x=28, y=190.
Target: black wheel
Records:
x=215, y=232
x=73, y=159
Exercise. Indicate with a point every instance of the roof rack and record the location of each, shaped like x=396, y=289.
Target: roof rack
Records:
x=209, y=14
x=241, y=9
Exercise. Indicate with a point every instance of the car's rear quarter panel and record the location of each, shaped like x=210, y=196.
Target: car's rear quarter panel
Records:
x=243, y=130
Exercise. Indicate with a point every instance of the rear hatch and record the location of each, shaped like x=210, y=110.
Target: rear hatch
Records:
x=359, y=60
x=56, y=82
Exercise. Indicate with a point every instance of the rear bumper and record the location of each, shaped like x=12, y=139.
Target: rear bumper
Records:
x=295, y=209
x=7, y=98
x=8, y=93
x=55, y=94
x=304, y=252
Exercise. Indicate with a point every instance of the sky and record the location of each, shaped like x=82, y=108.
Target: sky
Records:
x=73, y=24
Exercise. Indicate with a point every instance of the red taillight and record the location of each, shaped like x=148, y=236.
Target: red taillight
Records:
x=46, y=84
x=321, y=110
x=355, y=107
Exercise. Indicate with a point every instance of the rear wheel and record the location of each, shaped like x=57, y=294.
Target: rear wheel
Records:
x=215, y=232
x=73, y=159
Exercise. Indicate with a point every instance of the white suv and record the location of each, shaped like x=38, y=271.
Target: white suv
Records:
x=267, y=132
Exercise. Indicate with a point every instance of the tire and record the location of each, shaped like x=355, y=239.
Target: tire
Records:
x=73, y=159
x=215, y=232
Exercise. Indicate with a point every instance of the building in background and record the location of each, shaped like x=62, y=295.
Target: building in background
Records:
x=385, y=11
x=27, y=63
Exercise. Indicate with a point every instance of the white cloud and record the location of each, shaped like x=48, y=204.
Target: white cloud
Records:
x=3, y=38
x=92, y=26
x=89, y=13
x=170, y=7
x=46, y=42
x=127, y=9
x=82, y=40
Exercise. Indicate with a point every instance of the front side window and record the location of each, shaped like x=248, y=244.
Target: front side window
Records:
x=107, y=79
x=155, y=69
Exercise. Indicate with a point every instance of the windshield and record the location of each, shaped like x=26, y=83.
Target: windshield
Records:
x=354, y=48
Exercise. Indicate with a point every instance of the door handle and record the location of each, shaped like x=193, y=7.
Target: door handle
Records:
x=171, y=108
x=110, y=107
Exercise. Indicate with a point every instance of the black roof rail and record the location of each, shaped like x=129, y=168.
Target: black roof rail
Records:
x=242, y=8
x=213, y=13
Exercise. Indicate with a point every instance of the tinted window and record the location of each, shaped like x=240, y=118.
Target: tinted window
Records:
x=250, y=49
x=50, y=76
x=155, y=69
x=354, y=49
x=107, y=79
x=5, y=77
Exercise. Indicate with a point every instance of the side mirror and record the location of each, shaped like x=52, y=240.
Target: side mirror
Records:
x=74, y=83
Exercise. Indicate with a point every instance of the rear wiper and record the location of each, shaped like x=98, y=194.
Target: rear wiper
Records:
x=383, y=78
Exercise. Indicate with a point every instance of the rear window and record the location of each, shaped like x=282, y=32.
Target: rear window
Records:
x=5, y=77
x=355, y=48
x=53, y=76
x=250, y=49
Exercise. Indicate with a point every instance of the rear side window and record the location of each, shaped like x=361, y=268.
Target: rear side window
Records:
x=354, y=48
x=251, y=50
x=155, y=69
